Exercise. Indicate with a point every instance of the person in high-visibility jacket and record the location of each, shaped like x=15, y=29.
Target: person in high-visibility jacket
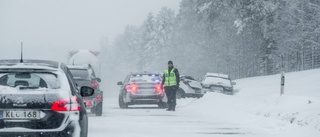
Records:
x=171, y=79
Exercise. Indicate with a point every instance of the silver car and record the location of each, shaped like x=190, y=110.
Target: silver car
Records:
x=142, y=88
x=217, y=82
x=189, y=87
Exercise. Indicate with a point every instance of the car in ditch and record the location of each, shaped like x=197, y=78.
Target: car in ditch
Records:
x=189, y=87
x=217, y=82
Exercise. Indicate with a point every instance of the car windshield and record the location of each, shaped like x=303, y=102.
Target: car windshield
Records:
x=30, y=80
x=80, y=74
x=145, y=78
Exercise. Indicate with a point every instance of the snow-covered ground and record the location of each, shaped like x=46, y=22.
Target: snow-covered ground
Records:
x=256, y=110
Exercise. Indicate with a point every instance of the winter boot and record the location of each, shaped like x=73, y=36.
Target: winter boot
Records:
x=169, y=107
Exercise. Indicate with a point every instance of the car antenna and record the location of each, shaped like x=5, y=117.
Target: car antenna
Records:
x=21, y=59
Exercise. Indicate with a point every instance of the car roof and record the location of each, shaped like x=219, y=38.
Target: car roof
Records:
x=30, y=64
x=217, y=75
x=145, y=73
x=78, y=67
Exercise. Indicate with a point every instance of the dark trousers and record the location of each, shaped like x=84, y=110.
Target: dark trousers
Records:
x=171, y=95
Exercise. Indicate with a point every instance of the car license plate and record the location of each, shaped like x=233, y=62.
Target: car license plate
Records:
x=20, y=114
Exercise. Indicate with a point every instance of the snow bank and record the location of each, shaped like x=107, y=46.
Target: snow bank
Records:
x=259, y=104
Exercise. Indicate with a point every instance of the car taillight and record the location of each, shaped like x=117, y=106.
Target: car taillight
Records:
x=95, y=84
x=66, y=105
x=158, y=88
x=132, y=88
x=98, y=98
x=89, y=103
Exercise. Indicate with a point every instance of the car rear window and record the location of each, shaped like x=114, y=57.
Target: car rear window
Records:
x=80, y=74
x=145, y=78
x=30, y=80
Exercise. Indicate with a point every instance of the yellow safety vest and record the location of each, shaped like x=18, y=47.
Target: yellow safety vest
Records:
x=170, y=78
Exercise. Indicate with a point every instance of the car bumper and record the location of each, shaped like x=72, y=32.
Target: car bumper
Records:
x=91, y=103
x=145, y=99
x=70, y=127
x=72, y=130
x=218, y=89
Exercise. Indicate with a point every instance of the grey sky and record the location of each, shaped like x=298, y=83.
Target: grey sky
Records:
x=53, y=27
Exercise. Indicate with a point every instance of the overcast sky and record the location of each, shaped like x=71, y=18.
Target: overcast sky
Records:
x=54, y=27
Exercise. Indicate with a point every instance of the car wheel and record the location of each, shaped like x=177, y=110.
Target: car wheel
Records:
x=180, y=94
x=99, y=109
x=122, y=104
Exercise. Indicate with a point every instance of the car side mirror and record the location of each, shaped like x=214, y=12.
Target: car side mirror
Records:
x=233, y=83
x=120, y=83
x=98, y=79
x=86, y=91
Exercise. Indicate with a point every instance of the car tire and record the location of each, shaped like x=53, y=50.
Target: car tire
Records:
x=180, y=94
x=122, y=104
x=99, y=109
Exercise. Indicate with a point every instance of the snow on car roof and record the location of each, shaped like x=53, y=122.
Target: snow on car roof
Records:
x=217, y=75
x=49, y=63
x=26, y=66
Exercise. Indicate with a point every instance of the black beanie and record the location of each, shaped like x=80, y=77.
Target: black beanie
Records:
x=170, y=62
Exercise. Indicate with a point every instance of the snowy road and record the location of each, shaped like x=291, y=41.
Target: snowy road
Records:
x=146, y=122
x=256, y=110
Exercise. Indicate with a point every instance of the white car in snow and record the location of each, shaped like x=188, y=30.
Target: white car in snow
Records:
x=189, y=87
x=217, y=82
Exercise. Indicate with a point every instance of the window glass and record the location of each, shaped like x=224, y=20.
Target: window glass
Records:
x=30, y=79
x=80, y=74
